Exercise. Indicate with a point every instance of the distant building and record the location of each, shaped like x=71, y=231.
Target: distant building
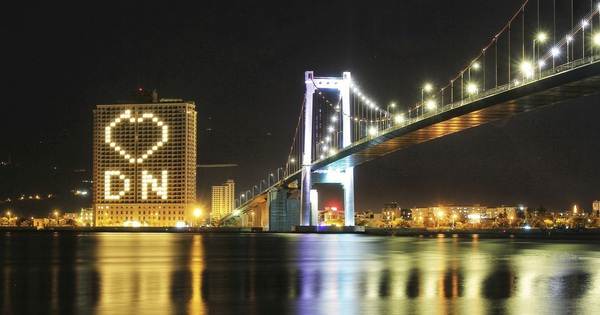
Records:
x=223, y=199
x=86, y=217
x=360, y=217
x=465, y=213
x=509, y=212
x=390, y=212
x=73, y=216
x=406, y=214
x=144, y=162
x=39, y=223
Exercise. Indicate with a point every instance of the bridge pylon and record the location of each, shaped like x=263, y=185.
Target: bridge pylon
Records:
x=308, y=200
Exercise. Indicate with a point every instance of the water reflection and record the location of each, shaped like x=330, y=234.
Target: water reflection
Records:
x=117, y=273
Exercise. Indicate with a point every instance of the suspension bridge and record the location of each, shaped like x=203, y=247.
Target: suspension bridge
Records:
x=538, y=58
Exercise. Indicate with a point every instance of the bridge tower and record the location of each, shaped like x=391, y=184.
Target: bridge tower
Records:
x=309, y=211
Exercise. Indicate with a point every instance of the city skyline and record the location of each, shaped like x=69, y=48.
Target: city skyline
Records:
x=243, y=65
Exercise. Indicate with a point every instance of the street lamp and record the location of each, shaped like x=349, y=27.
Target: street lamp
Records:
x=388, y=114
x=399, y=119
x=527, y=69
x=373, y=130
x=290, y=168
x=472, y=89
x=269, y=179
x=569, y=40
x=541, y=37
x=430, y=105
x=392, y=105
x=475, y=66
x=555, y=52
x=597, y=39
x=197, y=214
x=426, y=88
x=56, y=215
x=584, y=23
x=261, y=182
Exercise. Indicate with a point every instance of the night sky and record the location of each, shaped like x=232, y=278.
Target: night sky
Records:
x=243, y=64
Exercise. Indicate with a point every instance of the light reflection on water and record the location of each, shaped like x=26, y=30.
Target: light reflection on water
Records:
x=168, y=273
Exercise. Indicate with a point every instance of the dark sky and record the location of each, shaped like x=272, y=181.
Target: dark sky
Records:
x=243, y=64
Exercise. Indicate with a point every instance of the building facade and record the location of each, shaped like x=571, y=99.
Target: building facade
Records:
x=144, y=166
x=223, y=200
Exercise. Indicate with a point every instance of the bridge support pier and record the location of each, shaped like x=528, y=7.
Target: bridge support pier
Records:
x=306, y=218
x=284, y=209
x=349, y=196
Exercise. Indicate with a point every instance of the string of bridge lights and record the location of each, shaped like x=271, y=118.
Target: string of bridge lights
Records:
x=372, y=106
x=325, y=146
x=527, y=67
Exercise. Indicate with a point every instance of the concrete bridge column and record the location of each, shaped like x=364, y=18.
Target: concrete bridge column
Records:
x=348, y=185
x=284, y=209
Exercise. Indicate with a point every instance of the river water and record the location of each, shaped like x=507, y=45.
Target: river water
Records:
x=180, y=273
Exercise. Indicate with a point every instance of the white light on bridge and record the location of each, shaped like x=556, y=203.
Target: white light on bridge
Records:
x=527, y=69
x=430, y=105
x=472, y=88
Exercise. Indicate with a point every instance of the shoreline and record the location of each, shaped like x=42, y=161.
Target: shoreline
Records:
x=586, y=234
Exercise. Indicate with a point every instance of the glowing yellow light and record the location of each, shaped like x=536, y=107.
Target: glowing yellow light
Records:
x=541, y=37
x=127, y=115
x=430, y=104
x=527, y=69
x=472, y=88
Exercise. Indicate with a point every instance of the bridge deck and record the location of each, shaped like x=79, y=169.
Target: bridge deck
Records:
x=571, y=83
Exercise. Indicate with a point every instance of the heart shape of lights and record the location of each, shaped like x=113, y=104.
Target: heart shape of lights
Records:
x=126, y=117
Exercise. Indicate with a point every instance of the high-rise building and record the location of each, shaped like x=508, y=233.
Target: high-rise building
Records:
x=144, y=167
x=223, y=199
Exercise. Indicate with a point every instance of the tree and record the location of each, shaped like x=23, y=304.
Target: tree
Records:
x=541, y=211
